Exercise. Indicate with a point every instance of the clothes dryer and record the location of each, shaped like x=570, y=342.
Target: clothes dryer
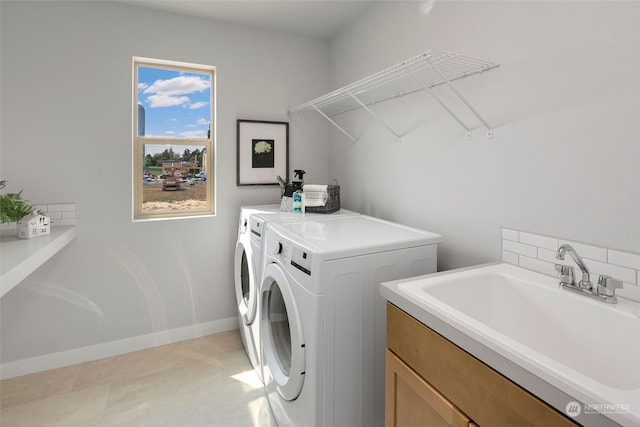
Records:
x=248, y=268
x=246, y=281
x=323, y=323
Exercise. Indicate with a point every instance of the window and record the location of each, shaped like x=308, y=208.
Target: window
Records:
x=173, y=143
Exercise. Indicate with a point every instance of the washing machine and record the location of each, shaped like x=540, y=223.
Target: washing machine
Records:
x=248, y=268
x=323, y=321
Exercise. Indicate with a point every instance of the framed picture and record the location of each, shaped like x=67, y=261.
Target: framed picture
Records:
x=263, y=152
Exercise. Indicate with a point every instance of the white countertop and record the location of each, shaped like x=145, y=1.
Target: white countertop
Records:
x=21, y=257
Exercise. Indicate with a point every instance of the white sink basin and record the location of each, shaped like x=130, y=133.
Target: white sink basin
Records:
x=586, y=348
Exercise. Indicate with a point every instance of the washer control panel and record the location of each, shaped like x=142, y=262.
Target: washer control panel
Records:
x=256, y=225
x=301, y=260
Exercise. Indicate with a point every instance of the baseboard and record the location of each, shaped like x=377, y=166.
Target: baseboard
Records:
x=114, y=348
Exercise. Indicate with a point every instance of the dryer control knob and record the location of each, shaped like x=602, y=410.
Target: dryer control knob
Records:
x=277, y=248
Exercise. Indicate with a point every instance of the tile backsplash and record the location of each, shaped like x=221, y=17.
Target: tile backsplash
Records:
x=538, y=252
x=60, y=214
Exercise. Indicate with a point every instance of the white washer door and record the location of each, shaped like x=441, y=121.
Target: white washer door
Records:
x=245, y=284
x=281, y=334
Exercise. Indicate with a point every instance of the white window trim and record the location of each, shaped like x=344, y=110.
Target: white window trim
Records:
x=139, y=141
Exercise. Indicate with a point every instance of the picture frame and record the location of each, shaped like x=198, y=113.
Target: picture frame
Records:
x=262, y=152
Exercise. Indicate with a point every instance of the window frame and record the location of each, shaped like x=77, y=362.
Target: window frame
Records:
x=139, y=142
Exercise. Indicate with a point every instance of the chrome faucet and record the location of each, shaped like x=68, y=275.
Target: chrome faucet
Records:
x=585, y=283
x=606, y=288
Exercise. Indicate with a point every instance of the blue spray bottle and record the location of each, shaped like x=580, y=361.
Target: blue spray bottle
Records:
x=298, y=195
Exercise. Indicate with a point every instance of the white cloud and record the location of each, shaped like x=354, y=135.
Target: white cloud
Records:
x=167, y=101
x=202, y=121
x=197, y=105
x=172, y=92
x=181, y=85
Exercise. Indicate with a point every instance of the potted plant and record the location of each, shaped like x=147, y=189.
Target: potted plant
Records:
x=12, y=206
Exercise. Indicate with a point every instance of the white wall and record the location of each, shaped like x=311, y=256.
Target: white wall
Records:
x=563, y=161
x=565, y=103
x=66, y=137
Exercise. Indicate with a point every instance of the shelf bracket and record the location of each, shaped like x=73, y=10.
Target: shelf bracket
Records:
x=453, y=89
x=355, y=98
x=333, y=123
x=442, y=104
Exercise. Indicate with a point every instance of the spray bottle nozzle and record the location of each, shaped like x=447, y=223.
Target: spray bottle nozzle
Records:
x=299, y=173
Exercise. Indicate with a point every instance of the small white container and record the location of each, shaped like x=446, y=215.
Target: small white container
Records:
x=34, y=225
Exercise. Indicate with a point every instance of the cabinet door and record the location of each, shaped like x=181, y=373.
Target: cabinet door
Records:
x=412, y=402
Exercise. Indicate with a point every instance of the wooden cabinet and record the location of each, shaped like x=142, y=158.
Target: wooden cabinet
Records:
x=412, y=402
x=432, y=382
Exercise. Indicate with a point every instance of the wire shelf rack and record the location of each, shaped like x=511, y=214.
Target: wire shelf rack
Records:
x=422, y=72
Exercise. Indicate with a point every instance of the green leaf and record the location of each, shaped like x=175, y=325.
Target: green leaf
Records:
x=12, y=207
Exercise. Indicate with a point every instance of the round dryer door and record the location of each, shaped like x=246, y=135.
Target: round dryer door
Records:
x=281, y=334
x=245, y=284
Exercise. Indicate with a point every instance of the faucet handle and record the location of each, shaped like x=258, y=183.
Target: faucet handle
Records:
x=567, y=275
x=607, y=285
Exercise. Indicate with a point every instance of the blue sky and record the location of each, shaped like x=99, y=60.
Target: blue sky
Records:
x=176, y=103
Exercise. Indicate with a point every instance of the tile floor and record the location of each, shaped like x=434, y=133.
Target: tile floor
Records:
x=206, y=381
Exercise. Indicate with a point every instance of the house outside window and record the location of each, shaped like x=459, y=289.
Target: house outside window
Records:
x=174, y=139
